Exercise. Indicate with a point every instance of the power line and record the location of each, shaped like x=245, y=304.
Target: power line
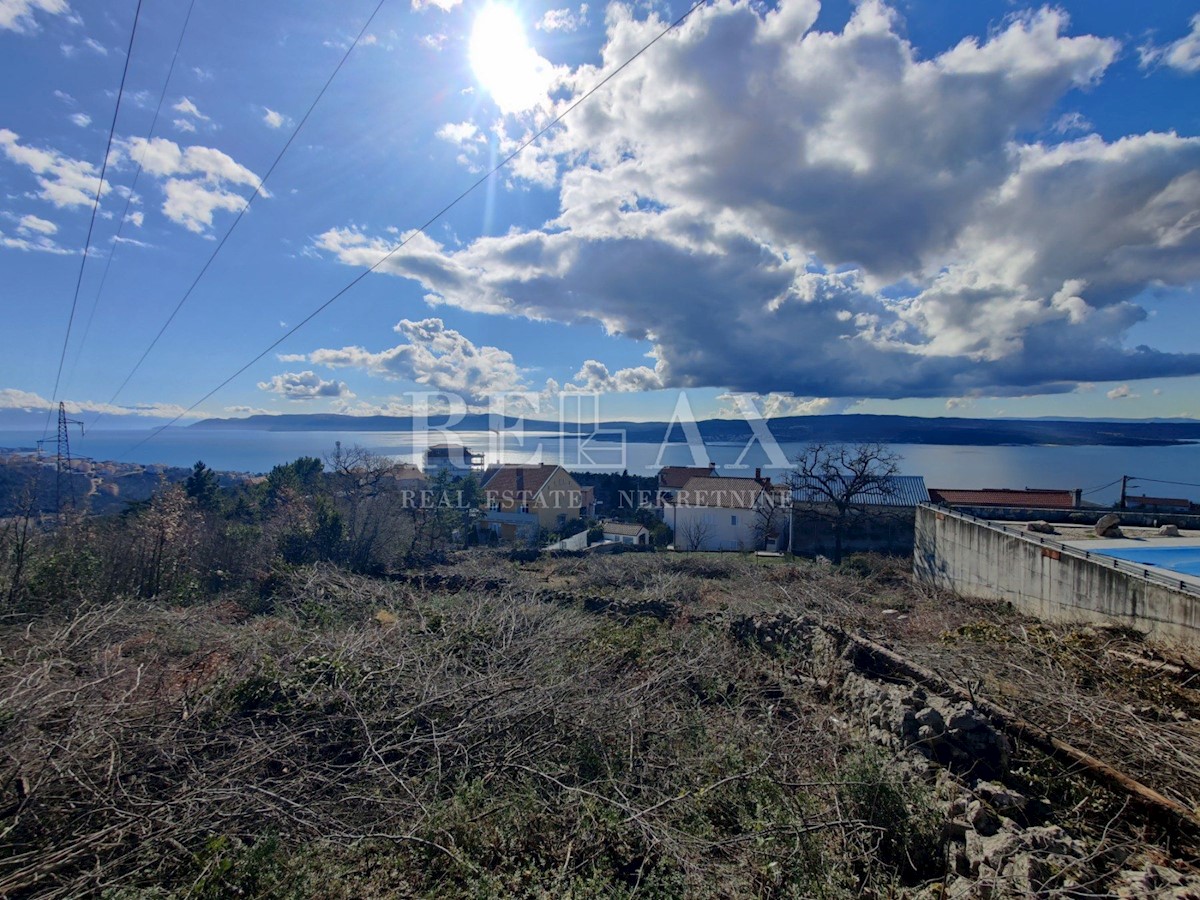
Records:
x=1161, y=481
x=95, y=207
x=242, y=212
x=129, y=199
x=430, y=221
x=1102, y=487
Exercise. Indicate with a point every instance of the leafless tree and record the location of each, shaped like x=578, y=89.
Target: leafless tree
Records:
x=832, y=482
x=693, y=533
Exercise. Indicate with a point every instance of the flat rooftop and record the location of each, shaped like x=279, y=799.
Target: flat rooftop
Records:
x=1171, y=558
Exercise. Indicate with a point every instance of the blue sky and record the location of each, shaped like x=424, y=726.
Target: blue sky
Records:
x=928, y=207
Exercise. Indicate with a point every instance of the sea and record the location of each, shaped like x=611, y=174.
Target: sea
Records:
x=1172, y=471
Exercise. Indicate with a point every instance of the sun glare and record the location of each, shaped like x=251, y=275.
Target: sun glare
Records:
x=507, y=67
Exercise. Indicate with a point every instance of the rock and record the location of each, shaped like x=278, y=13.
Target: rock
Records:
x=1041, y=527
x=982, y=818
x=967, y=718
x=1108, y=523
x=1169, y=531
x=932, y=719
x=1155, y=881
x=1001, y=799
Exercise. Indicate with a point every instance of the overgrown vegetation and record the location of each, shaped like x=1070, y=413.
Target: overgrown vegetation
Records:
x=196, y=540
x=219, y=695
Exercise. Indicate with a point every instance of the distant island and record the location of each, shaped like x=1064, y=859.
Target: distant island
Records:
x=792, y=429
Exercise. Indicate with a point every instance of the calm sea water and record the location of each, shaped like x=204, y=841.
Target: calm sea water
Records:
x=1090, y=468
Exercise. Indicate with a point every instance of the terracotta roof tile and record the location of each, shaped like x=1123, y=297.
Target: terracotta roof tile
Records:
x=503, y=480
x=677, y=476
x=1036, y=498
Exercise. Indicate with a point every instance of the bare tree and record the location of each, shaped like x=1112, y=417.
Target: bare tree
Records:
x=833, y=482
x=693, y=533
x=767, y=519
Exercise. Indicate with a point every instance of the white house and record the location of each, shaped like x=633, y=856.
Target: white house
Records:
x=626, y=533
x=717, y=513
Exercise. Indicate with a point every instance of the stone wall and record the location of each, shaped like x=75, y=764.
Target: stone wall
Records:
x=1042, y=577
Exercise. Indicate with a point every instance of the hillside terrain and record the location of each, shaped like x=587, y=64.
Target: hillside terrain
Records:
x=646, y=724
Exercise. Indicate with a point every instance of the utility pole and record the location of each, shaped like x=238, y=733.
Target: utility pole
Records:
x=63, y=463
x=1124, y=485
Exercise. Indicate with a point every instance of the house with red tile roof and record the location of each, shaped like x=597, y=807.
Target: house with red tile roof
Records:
x=523, y=500
x=672, y=478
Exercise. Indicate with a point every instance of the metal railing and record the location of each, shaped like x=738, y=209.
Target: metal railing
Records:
x=1153, y=576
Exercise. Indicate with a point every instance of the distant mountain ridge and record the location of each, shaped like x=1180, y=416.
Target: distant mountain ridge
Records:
x=792, y=429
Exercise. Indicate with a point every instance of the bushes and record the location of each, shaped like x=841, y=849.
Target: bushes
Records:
x=900, y=825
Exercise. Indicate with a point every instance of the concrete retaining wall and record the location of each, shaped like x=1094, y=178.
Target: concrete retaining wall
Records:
x=1048, y=580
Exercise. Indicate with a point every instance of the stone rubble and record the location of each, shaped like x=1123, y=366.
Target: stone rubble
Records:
x=999, y=843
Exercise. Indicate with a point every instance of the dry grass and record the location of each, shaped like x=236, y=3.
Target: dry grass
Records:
x=569, y=726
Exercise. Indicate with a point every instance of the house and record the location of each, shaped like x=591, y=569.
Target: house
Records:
x=407, y=477
x=711, y=512
x=455, y=458
x=880, y=519
x=522, y=500
x=587, y=508
x=626, y=533
x=1029, y=498
x=672, y=478
x=1159, y=504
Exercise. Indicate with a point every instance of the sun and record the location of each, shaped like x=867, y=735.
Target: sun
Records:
x=507, y=67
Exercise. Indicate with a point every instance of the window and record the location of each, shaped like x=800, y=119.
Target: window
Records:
x=493, y=504
x=733, y=520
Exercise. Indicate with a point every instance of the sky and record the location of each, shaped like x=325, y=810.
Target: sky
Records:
x=921, y=207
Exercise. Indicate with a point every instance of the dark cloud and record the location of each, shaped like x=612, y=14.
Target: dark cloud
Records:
x=829, y=215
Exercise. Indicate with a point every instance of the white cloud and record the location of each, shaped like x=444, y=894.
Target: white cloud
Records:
x=34, y=223
x=12, y=398
x=563, y=19
x=304, y=386
x=95, y=46
x=1182, y=55
x=443, y=5
x=775, y=405
x=195, y=179
x=1122, y=392
x=893, y=235
x=83, y=120
x=62, y=180
x=136, y=218
x=435, y=356
x=433, y=41
x=1072, y=121
x=19, y=15
x=459, y=133
x=189, y=108
x=184, y=125
x=33, y=243
x=202, y=74
x=274, y=119
x=593, y=377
